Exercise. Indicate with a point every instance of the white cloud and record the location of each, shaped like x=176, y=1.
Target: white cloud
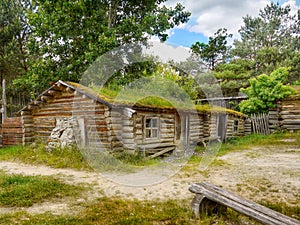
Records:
x=167, y=52
x=212, y=15
x=224, y=14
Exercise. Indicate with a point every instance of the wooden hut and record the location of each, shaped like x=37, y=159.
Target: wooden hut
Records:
x=116, y=126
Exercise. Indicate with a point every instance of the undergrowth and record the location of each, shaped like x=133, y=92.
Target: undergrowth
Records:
x=132, y=212
x=24, y=191
x=36, y=154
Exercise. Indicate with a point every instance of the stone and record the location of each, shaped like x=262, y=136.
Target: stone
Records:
x=62, y=135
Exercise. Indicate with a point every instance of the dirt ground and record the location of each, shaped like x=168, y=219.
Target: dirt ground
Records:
x=259, y=174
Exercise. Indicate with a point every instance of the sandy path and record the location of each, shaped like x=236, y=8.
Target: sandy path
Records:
x=258, y=174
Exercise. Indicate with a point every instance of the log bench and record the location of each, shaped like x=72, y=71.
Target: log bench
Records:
x=212, y=199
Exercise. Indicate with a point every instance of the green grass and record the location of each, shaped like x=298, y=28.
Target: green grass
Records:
x=258, y=140
x=24, y=191
x=108, y=211
x=291, y=211
x=73, y=158
x=134, y=96
x=37, y=155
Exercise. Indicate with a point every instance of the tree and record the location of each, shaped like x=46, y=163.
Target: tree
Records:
x=216, y=51
x=264, y=91
x=67, y=36
x=14, y=55
x=271, y=40
x=13, y=36
x=234, y=75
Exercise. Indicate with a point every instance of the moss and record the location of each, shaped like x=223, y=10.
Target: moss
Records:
x=111, y=97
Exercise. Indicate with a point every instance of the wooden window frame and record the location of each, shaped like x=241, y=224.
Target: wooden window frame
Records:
x=235, y=126
x=151, y=128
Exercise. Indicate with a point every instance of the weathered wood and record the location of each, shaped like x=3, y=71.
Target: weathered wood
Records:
x=46, y=98
x=161, y=152
x=246, y=207
x=12, y=131
x=53, y=92
x=3, y=102
x=291, y=122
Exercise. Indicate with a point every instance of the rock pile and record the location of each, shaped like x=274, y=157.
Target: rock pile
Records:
x=63, y=134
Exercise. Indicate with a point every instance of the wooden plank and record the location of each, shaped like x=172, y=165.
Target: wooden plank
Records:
x=246, y=207
x=161, y=152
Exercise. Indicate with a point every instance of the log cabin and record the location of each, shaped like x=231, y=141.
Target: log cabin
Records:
x=117, y=126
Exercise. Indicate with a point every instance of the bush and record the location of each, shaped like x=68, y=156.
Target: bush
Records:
x=265, y=90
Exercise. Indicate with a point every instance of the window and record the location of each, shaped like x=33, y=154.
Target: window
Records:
x=151, y=127
x=235, y=126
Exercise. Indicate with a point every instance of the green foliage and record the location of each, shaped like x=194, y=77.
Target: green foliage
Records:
x=297, y=82
x=216, y=51
x=164, y=87
x=24, y=191
x=264, y=91
x=270, y=40
x=68, y=36
x=14, y=34
x=233, y=76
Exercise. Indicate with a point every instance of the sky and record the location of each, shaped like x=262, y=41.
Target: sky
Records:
x=210, y=15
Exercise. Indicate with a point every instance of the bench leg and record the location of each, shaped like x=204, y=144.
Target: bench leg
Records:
x=203, y=206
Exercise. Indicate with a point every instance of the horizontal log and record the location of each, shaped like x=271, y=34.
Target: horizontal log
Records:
x=246, y=207
x=45, y=98
x=53, y=92
x=12, y=131
x=53, y=115
x=128, y=122
x=291, y=122
x=291, y=127
x=23, y=113
x=291, y=116
x=127, y=136
x=162, y=152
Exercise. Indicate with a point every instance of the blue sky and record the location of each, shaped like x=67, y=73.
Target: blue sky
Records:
x=208, y=16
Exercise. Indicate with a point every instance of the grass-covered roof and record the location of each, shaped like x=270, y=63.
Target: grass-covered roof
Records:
x=135, y=97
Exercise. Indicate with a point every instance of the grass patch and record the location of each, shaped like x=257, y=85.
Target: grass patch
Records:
x=24, y=191
x=259, y=140
x=136, y=159
x=37, y=155
x=73, y=158
x=291, y=211
x=132, y=212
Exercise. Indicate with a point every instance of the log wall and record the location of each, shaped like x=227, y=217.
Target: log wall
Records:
x=12, y=131
x=289, y=116
x=167, y=132
x=39, y=122
x=196, y=127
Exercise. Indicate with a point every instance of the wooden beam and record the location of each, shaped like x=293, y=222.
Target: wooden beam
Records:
x=53, y=92
x=161, y=152
x=46, y=98
x=258, y=212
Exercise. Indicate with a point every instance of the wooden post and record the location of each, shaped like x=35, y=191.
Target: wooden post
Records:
x=3, y=109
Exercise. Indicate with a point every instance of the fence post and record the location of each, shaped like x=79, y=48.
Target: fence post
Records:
x=3, y=109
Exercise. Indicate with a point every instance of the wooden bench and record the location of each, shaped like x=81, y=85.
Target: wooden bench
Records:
x=211, y=199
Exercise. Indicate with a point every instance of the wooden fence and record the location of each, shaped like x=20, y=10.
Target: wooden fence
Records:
x=260, y=123
x=12, y=131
